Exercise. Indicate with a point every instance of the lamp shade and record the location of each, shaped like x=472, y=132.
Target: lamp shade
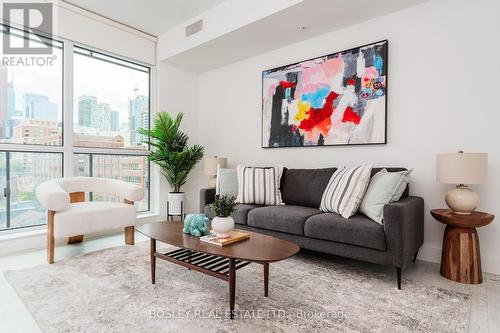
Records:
x=211, y=164
x=462, y=168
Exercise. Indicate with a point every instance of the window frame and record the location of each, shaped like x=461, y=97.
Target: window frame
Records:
x=67, y=149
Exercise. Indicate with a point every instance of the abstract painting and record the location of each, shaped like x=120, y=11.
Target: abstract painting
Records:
x=337, y=99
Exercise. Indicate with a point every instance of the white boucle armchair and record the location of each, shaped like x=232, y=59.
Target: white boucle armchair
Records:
x=69, y=215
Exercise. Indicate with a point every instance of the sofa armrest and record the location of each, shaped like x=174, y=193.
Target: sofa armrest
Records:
x=404, y=228
x=207, y=196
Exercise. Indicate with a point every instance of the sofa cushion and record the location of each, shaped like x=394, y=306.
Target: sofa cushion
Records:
x=304, y=187
x=227, y=182
x=384, y=187
x=357, y=230
x=239, y=215
x=92, y=216
x=345, y=190
x=287, y=218
x=406, y=192
x=259, y=185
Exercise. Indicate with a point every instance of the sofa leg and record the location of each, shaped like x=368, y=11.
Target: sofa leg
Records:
x=129, y=235
x=415, y=257
x=398, y=273
x=50, y=237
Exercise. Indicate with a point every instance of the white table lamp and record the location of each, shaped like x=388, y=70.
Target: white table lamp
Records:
x=211, y=165
x=460, y=169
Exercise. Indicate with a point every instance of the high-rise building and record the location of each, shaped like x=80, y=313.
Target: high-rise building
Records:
x=7, y=104
x=87, y=106
x=114, y=120
x=11, y=109
x=39, y=107
x=137, y=107
x=144, y=124
x=3, y=101
x=101, y=119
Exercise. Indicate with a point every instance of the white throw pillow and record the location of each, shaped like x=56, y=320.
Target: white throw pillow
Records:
x=259, y=185
x=227, y=182
x=384, y=187
x=345, y=190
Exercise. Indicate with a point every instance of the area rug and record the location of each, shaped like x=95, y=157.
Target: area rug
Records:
x=110, y=291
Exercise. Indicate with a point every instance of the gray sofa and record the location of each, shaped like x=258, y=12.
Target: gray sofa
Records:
x=395, y=243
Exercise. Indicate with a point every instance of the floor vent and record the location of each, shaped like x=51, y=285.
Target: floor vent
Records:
x=194, y=28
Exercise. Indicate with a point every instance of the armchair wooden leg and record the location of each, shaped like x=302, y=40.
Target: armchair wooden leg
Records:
x=50, y=237
x=129, y=231
x=129, y=235
x=75, y=239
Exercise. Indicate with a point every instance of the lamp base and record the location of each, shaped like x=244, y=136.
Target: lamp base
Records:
x=462, y=200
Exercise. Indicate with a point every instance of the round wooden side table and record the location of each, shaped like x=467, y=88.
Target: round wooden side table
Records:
x=461, y=257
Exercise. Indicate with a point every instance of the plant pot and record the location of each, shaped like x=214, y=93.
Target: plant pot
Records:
x=175, y=203
x=222, y=226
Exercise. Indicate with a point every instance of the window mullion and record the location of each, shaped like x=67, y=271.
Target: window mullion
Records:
x=68, y=108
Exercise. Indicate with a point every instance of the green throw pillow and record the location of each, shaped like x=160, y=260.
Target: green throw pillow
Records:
x=384, y=187
x=227, y=182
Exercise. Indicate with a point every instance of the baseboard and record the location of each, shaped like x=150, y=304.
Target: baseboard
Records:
x=428, y=253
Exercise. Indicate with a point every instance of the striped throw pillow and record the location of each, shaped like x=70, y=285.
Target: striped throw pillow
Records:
x=345, y=190
x=259, y=185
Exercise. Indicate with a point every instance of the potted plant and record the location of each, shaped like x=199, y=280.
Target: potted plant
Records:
x=170, y=151
x=223, y=223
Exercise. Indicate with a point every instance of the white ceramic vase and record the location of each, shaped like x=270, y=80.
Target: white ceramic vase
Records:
x=175, y=203
x=462, y=200
x=222, y=226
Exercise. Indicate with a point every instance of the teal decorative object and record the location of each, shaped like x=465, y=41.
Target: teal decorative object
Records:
x=196, y=225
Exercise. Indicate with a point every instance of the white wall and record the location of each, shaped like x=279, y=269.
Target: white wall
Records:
x=178, y=92
x=443, y=88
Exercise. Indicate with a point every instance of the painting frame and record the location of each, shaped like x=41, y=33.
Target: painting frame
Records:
x=386, y=89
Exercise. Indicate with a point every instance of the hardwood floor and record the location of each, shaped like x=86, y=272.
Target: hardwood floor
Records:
x=15, y=318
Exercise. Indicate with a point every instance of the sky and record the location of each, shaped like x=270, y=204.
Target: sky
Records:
x=110, y=83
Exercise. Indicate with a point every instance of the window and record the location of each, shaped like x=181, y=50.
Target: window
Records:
x=129, y=168
x=111, y=100
x=20, y=173
x=31, y=99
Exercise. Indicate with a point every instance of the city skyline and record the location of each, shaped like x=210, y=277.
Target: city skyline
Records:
x=91, y=114
x=95, y=118
x=115, y=83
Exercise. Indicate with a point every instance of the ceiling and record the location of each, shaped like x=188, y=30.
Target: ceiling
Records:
x=284, y=28
x=151, y=16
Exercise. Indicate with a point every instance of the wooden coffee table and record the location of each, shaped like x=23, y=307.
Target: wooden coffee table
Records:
x=219, y=262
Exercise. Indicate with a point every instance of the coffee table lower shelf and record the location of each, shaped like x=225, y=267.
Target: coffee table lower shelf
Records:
x=220, y=267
